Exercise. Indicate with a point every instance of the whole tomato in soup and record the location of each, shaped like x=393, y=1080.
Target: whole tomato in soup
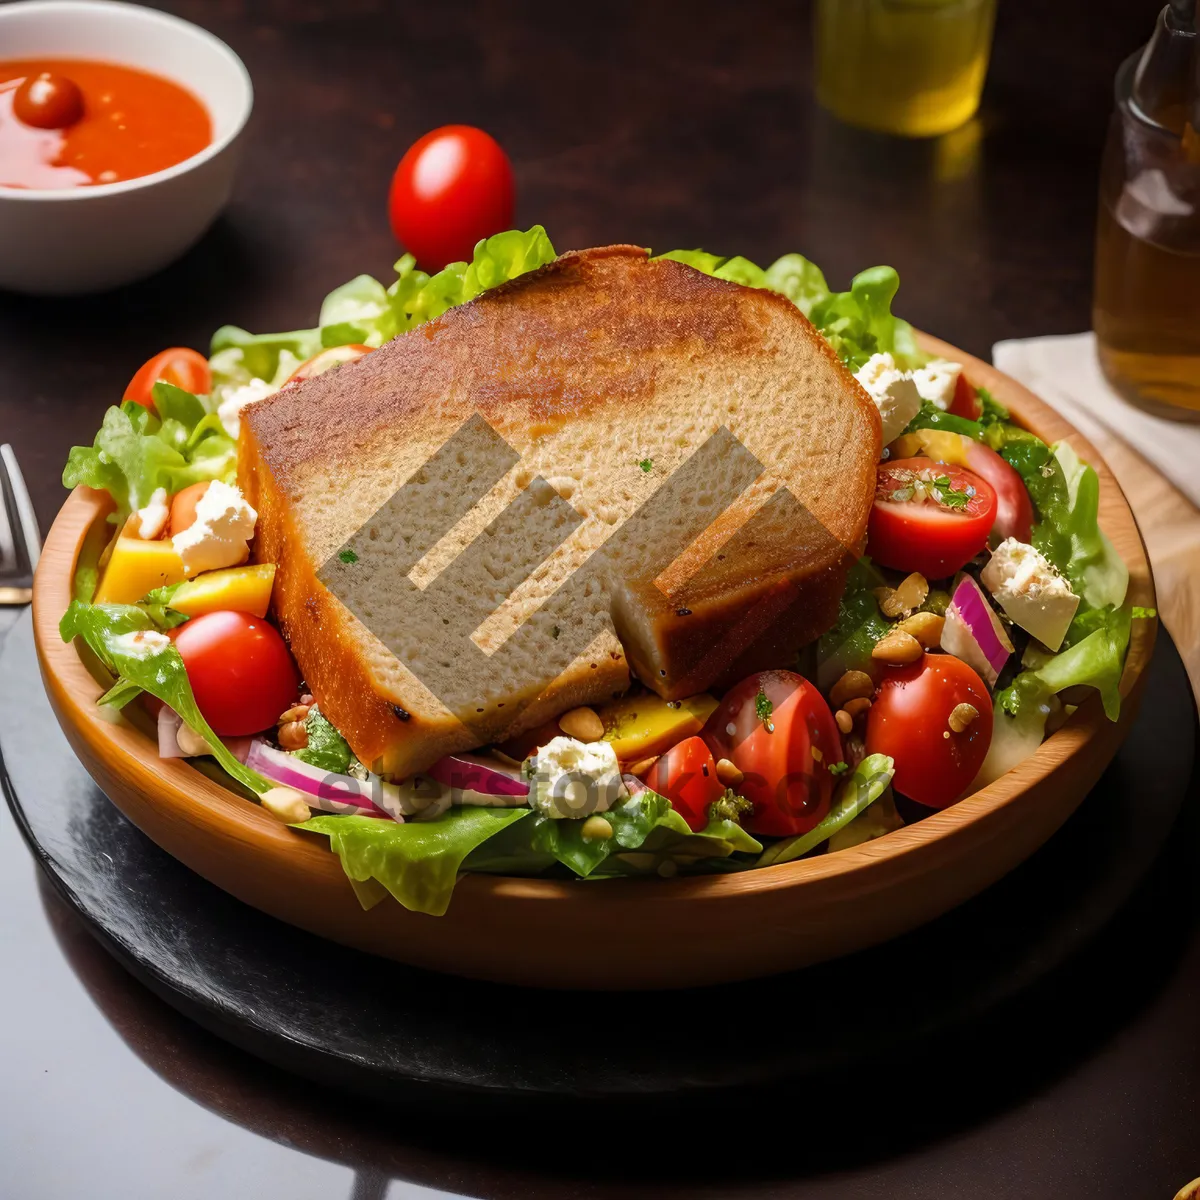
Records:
x=776, y=728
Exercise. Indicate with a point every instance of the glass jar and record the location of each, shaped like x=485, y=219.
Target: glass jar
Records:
x=909, y=67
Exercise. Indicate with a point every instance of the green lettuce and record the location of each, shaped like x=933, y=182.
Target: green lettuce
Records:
x=108, y=630
x=860, y=624
x=417, y=861
x=138, y=451
x=856, y=323
x=644, y=822
x=326, y=747
x=858, y=790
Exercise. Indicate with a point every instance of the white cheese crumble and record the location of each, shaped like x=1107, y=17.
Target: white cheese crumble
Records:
x=142, y=643
x=894, y=392
x=152, y=519
x=937, y=381
x=574, y=779
x=230, y=409
x=217, y=538
x=1031, y=592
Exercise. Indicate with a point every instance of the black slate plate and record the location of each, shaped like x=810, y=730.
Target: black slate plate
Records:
x=400, y=1034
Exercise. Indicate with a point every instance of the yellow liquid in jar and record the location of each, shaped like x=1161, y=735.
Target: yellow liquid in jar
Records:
x=909, y=67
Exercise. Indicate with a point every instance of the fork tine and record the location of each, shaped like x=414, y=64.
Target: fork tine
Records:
x=26, y=517
x=8, y=549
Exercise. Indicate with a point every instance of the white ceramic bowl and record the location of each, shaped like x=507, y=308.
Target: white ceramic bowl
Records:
x=88, y=239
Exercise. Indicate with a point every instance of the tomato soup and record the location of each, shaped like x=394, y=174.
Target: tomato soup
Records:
x=72, y=123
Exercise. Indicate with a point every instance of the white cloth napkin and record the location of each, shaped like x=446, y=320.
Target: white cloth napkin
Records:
x=1064, y=372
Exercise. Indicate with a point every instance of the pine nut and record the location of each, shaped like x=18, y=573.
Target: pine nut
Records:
x=962, y=716
x=889, y=602
x=728, y=773
x=898, y=649
x=845, y=722
x=852, y=684
x=293, y=735
x=582, y=724
x=926, y=627
x=856, y=707
x=912, y=590
x=190, y=742
x=641, y=768
x=297, y=712
x=597, y=829
x=285, y=804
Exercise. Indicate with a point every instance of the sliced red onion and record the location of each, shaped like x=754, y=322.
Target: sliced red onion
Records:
x=479, y=774
x=326, y=790
x=974, y=633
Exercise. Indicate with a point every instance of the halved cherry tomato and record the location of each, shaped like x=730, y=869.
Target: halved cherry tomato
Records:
x=452, y=187
x=687, y=775
x=1014, y=509
x=326, y=360
x=183, y=507
x=776, y=728
x=240, y=670
x=910, y=720
x=928, y=517
x=966, y=402
x=184, y=368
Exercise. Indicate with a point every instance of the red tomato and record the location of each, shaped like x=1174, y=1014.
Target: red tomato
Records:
x=452, y=187
x=183, y=507
x=687, y=775
x=184, y=368
x=240, y=670
x=785, y=754
x=326, y=360
x=915, y=531
x=910, y=720
x=966, y=402
x=48, y=101
x=1014, y=509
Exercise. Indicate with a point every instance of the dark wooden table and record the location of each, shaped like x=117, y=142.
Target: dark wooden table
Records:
x=669, y=125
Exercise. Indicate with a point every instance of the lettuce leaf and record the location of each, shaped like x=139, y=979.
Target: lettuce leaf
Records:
x=644, y=822
x=417, y=861
x=137, y=451
x=860, y=624
x=858, y=790
x=158, y=670
x=326, y=747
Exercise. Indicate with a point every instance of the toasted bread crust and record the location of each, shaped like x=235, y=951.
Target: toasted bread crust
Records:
x=598, y=338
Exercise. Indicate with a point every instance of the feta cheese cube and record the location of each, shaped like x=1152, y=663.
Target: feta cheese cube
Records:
x=217, y=538
x=152, y=519
x=937, y=380
x=574, y=779
x=894, y=392
x=230, y=409
x=1030, y=591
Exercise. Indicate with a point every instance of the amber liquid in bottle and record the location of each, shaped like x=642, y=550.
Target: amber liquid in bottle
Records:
x=1147, y=308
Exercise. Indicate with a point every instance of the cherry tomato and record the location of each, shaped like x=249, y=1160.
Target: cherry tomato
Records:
x=1014, y=510
x=687, y=775
x=928, y=517
x=240, y=670
x=183, y=507
x=966, y=402
x=48, y=101
x=183, y=367
x=326, y=360
x=910, y=720
x=452, y=187
x=776, y=728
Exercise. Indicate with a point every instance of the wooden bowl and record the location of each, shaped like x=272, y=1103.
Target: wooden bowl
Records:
x=615, y=934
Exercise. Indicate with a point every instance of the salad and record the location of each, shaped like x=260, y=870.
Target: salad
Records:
x=989, y=602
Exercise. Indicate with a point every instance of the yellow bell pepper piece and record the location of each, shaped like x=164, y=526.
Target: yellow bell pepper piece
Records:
x=242, y=589
x=639, y=726
x=136, y=567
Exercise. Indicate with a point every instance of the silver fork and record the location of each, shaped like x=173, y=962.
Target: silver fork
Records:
x=20, y=543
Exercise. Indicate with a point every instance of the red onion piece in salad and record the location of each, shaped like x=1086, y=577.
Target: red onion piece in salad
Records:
x=974, y=633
